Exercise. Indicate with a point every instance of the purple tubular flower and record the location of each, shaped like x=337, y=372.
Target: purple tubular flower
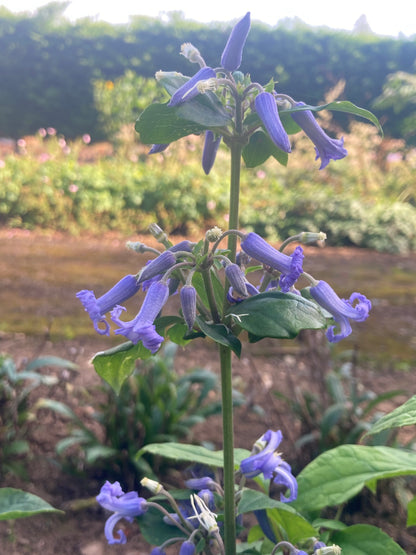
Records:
x=188, y=303
x=157, y=266
x=209, y=153
x=237, y=279
x=233, y=51
x=96, y=308
x=327, y=149
x=123, y=505
x=187, y=548
x=266, y=108
x=141, y=328
x=206, y=482
x=290, y=266
x=182, y=246
x=158, y=148
x=269, y=462
x=342, y=310
x=189, y=90
x=157, y=551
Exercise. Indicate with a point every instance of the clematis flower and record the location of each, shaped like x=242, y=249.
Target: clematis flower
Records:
x=97, y=308
x=157, y=266
x=237, y=279
x=158, y=148
x=157, y=551
x=189, y=90
x=233, y=51
x=266, y=108
x=123, y=505
x=188, y=303
x=209, y=153
x=267, y=461
x=289, y=266
x=141, y=328
x=187, y=548
x=342, y=310
x=327, y=149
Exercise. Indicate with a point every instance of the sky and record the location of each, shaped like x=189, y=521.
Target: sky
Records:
x=384, y=18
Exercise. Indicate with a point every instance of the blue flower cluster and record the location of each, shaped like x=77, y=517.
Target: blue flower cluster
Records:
x=267, y=105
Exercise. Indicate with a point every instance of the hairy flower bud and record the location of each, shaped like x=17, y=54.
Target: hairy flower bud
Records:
x=266, y=108
x=188, y=303
x=233, y=51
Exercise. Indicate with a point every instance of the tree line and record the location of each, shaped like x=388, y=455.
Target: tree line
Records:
x=48, y=64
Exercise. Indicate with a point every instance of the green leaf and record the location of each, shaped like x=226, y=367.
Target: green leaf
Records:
x=276, y=314
x=56, y=406
x=341, y=106
x=411, y=512
x=220, y=334
x=405, y=415
x=190, y=453
x=339, y=474
x=206, y=110
x=118, y=363
x=15, y=503
x=363, y=539
x=177, y=332
x=260, y=148
x=292, y=522
x=161, y=124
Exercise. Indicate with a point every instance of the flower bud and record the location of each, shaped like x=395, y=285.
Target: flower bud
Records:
x=153, y=486
x=233, y=51
x=188, y=303
x=237, y=279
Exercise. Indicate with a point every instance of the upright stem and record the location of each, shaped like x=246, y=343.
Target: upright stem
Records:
x=226, y=371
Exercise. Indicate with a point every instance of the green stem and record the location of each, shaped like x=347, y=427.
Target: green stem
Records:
x=228, y=450
x=225, y=360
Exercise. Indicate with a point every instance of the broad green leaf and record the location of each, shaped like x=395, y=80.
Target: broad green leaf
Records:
x=191, y=453
x=220, y=334
x=276, y=314
x=206, y=110
x=15, y=503
x=161, y=124
x=177, y=332
x=411, y=512
x=328, y=524
x=405, y=415
x=342, y=106
x=339, y=474
x=363, y=539
x=117, y=364
x=260, y=148
x=293, y=523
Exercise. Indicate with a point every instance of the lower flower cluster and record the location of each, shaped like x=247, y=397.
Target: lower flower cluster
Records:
x=196, y=520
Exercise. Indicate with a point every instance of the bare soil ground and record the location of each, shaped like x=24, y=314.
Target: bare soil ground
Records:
x=38, y=272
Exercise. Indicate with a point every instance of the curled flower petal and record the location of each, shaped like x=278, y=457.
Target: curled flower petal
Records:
x=209, y=153
x=290, y=266
x=327, y=149
x=141, y=328
x=189, y=90
x=266, y=108
x=265, y=460
x=123, y=505
x=357, y=308
x=96, y=308
x=233, y=51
